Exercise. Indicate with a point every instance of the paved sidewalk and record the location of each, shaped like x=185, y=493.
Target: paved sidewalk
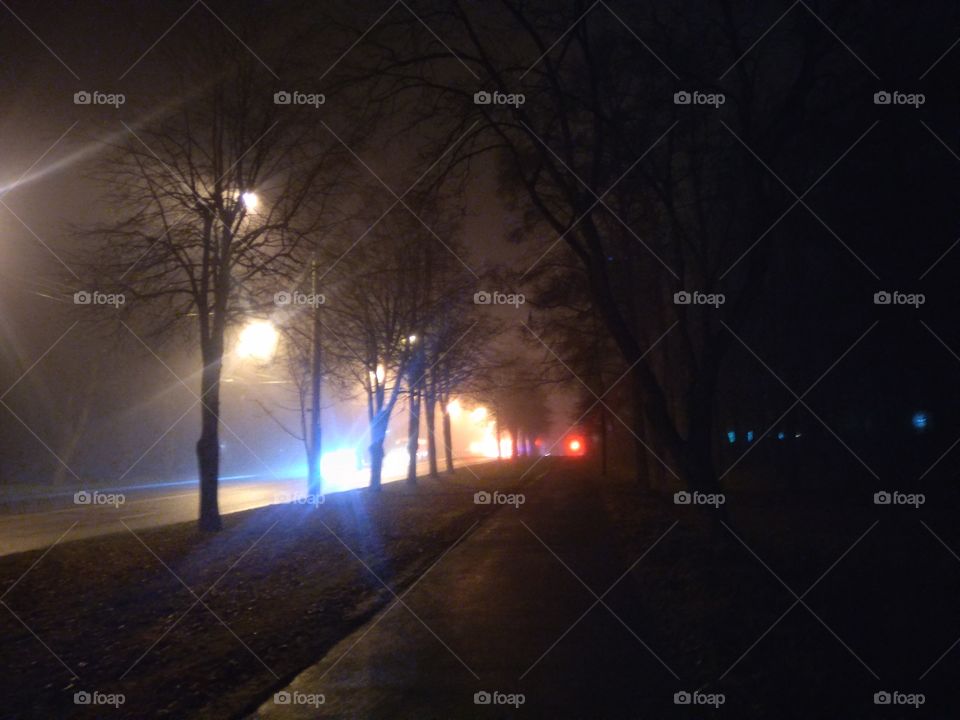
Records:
x=500, y=613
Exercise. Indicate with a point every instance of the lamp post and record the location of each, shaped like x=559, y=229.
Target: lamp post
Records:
x=415, y=364
x=314, y=479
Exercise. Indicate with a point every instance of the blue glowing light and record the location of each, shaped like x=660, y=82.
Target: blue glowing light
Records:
x=919, y=420
x=731, y=436
x=749, y=435
x=338, y=463
x=780, y=435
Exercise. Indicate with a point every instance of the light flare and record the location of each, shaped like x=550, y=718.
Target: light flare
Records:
x=258, y=341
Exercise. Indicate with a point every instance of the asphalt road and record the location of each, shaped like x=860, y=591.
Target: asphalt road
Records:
x=59, y=516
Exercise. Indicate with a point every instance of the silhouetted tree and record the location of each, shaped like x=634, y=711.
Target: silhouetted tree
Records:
x=211, y=199
x=652, y=196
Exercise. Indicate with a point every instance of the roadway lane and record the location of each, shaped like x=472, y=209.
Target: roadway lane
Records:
x=146, y=507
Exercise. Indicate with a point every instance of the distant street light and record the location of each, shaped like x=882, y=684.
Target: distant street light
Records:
x=250, y=201
x=258, y=341
x=454, y=408
x=377, y=377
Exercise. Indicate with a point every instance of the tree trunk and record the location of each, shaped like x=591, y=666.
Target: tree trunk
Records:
x=604, y=467
x=430, y=400
x=313, y=473
x=379, y=417
x=377, y=436
x=700, y=471
x=314, y=452
x=701, y=475
x=641, y=456
x=648, y=394
x=208, y=446
x=447, y=438
x=413, y=436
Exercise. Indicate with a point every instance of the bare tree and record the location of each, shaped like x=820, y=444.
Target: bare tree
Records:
x=211, y=200
x=452, y=332
x=460, y=346
x=650, y=196
x=568, y=322
x=375, y=300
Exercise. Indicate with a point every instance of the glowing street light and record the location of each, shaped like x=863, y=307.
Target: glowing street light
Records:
x=258, y=341
x=250, y=201
x=454, y=409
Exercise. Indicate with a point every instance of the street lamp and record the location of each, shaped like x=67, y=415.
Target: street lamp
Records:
x=250, y=201
x=454, y=408
x=258, y=341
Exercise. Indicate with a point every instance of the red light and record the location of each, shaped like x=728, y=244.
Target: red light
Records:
x=574, y=444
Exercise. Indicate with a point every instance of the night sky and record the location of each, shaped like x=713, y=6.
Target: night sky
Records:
x=100, y=383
